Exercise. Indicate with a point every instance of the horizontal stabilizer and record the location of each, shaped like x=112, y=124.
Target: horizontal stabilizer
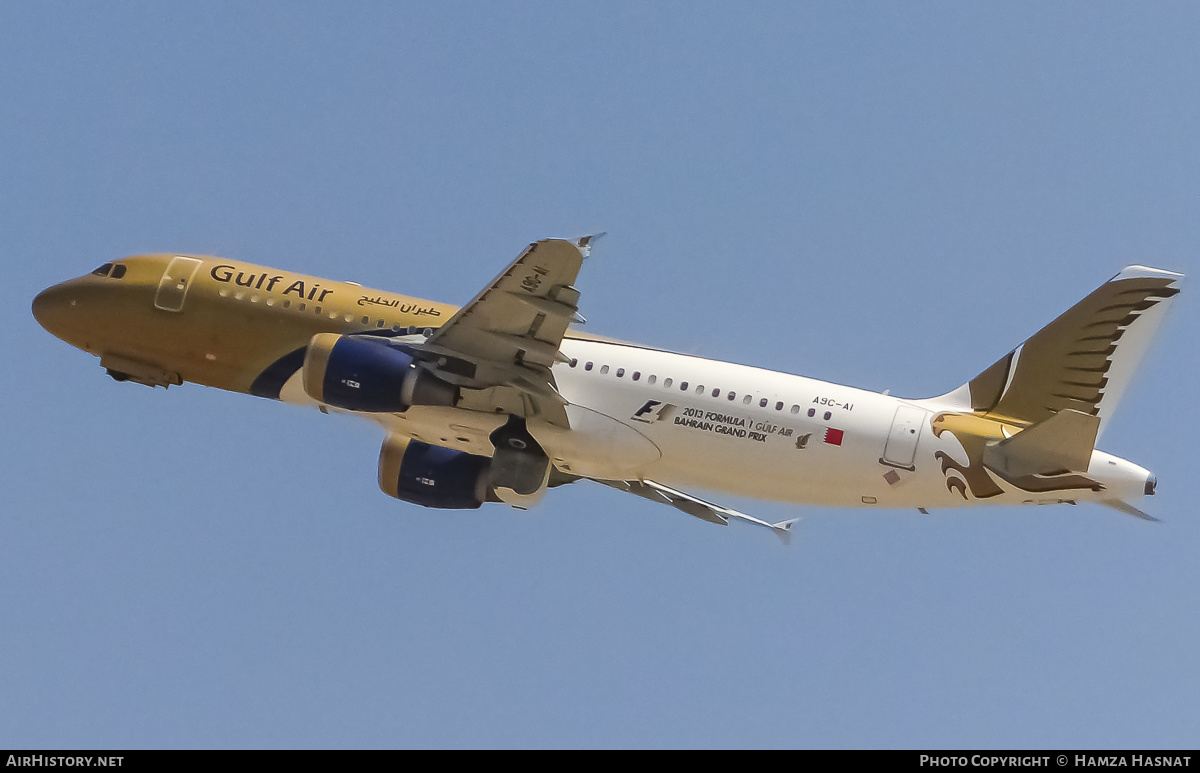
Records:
x=1128, y=509
x=1062, y=443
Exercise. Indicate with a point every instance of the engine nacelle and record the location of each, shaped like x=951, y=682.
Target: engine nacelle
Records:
x=433, y=476
x=367, y=373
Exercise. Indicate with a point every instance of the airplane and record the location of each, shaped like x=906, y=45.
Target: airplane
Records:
x=505, y=397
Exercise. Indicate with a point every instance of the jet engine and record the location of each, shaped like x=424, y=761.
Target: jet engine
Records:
x=433, y=476
x=369, y=373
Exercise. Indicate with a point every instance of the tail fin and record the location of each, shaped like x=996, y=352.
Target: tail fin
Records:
x=1083, y=360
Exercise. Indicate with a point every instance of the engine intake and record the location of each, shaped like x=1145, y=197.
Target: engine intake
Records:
x=367, y=373
x=433, y=476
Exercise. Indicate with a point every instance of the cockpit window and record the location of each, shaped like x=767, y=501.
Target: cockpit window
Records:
x=114, y=271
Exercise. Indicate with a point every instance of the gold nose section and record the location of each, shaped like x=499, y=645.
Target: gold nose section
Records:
x=52, y=308
x=71, y=310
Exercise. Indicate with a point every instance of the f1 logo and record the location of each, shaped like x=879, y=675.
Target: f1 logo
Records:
x=649, y=406
x=650, y=412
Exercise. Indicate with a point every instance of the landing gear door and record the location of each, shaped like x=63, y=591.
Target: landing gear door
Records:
x=901, y=446
x=173, y=287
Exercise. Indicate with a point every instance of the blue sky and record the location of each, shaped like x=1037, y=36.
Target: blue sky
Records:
x=885, y=195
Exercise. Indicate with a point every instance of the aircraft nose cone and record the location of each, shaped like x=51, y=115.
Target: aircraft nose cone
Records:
x=44, y=307
x=52, y=308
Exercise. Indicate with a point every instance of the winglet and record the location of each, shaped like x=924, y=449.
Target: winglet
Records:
x=783, y=530
x=585, y=242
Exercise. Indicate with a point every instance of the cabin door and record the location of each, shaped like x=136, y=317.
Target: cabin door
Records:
x=173, y=287
x=901, y=446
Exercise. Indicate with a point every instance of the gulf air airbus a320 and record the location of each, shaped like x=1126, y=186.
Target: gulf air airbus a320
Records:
x=501, y=399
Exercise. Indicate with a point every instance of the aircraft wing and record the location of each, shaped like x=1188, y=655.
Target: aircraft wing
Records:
x=695, y=506
x=505, y=340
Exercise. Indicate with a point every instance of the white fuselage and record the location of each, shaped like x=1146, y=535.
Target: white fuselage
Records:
x=690, y=422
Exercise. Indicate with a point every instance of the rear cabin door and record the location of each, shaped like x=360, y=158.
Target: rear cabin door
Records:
x=173, y=287
x=901, y=446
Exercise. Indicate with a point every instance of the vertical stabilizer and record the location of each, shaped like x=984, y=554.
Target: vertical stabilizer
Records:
x=1082, y=361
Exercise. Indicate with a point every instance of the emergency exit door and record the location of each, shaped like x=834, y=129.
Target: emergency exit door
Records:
x=901, y=446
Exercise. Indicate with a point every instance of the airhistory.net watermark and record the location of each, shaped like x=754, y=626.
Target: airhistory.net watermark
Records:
x=61, y=761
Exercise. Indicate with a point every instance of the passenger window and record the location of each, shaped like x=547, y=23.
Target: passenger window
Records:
x=747, y=400
x=731, y=396
x=699, y=389
x=812, y=412
x=779, y=406
x=795, y=409
x=603, y=370
x=716, y=393
x=828, y=415
x=762, y=403
x=637, y=374
x=682, y=386
x=667, y=384
x=649, y=379
x=620, y=372
x=588, y=366
x=574, y=362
